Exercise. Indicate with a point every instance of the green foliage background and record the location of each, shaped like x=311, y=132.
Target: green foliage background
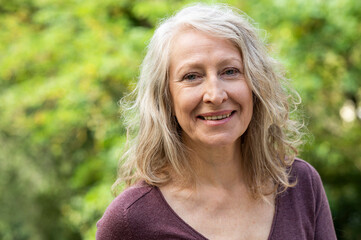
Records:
x=64, y=64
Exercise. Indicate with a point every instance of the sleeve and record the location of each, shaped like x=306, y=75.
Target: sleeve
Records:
x=113, y=225
x=324, y=228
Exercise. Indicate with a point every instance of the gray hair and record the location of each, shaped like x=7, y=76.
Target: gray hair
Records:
x=268, y=146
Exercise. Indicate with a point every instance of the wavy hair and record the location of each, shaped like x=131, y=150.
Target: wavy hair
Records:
x=154, y=147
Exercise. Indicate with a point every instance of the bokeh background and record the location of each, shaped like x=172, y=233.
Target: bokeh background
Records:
x=64, y=64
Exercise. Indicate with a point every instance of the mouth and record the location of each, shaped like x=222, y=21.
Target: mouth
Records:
x=215, y=116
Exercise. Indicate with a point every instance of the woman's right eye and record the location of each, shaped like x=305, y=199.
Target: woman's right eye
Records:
x=190, y=77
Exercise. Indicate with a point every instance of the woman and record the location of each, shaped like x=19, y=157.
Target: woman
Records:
x=214, y=153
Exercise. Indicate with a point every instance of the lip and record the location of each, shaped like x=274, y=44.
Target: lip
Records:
x=210, y=114
x=216, y=122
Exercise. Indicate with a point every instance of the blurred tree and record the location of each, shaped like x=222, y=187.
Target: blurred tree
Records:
x=65, y=64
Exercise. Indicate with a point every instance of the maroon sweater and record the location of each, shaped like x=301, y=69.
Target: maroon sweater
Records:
x=141, y=212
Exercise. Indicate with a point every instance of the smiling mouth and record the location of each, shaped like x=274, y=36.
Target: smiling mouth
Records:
x=216, y=117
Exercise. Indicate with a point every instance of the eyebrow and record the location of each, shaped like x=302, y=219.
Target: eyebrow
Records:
x=198, y=65
x=187, y=65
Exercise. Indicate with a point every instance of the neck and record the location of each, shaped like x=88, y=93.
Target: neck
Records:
x=217, y=166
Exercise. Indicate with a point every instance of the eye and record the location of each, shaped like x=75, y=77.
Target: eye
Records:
x=190, y=77
x=231, y=72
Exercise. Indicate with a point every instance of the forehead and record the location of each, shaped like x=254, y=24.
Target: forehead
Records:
x=193, y=45
x=190, y=37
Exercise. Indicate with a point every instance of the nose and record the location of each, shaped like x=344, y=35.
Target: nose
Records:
x=214, y=91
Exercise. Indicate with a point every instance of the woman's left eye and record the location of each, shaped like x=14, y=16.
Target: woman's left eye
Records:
x=231, y=71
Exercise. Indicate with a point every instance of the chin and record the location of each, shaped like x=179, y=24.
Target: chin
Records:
x=221, y=142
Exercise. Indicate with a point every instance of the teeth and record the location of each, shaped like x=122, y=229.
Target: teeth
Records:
x=217, y=117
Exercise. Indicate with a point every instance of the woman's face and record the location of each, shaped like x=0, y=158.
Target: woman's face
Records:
x=211, y=99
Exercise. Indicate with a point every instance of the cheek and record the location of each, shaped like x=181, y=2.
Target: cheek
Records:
x=250, y=106
x=249, y=101
x=245, y=99
x=182, y=107
x=243, y=93
x=179, y=105
x=185, y=101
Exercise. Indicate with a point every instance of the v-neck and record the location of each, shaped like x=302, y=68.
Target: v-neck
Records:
x=198, y=235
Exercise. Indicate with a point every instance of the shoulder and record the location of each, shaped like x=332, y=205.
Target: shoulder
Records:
x=131, y=195
x=308, y=191
x=305, y=205
x=115, y=221
x=301, y=166
x=305, y=175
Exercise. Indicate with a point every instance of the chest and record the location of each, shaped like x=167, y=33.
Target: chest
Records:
x=229, y=220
